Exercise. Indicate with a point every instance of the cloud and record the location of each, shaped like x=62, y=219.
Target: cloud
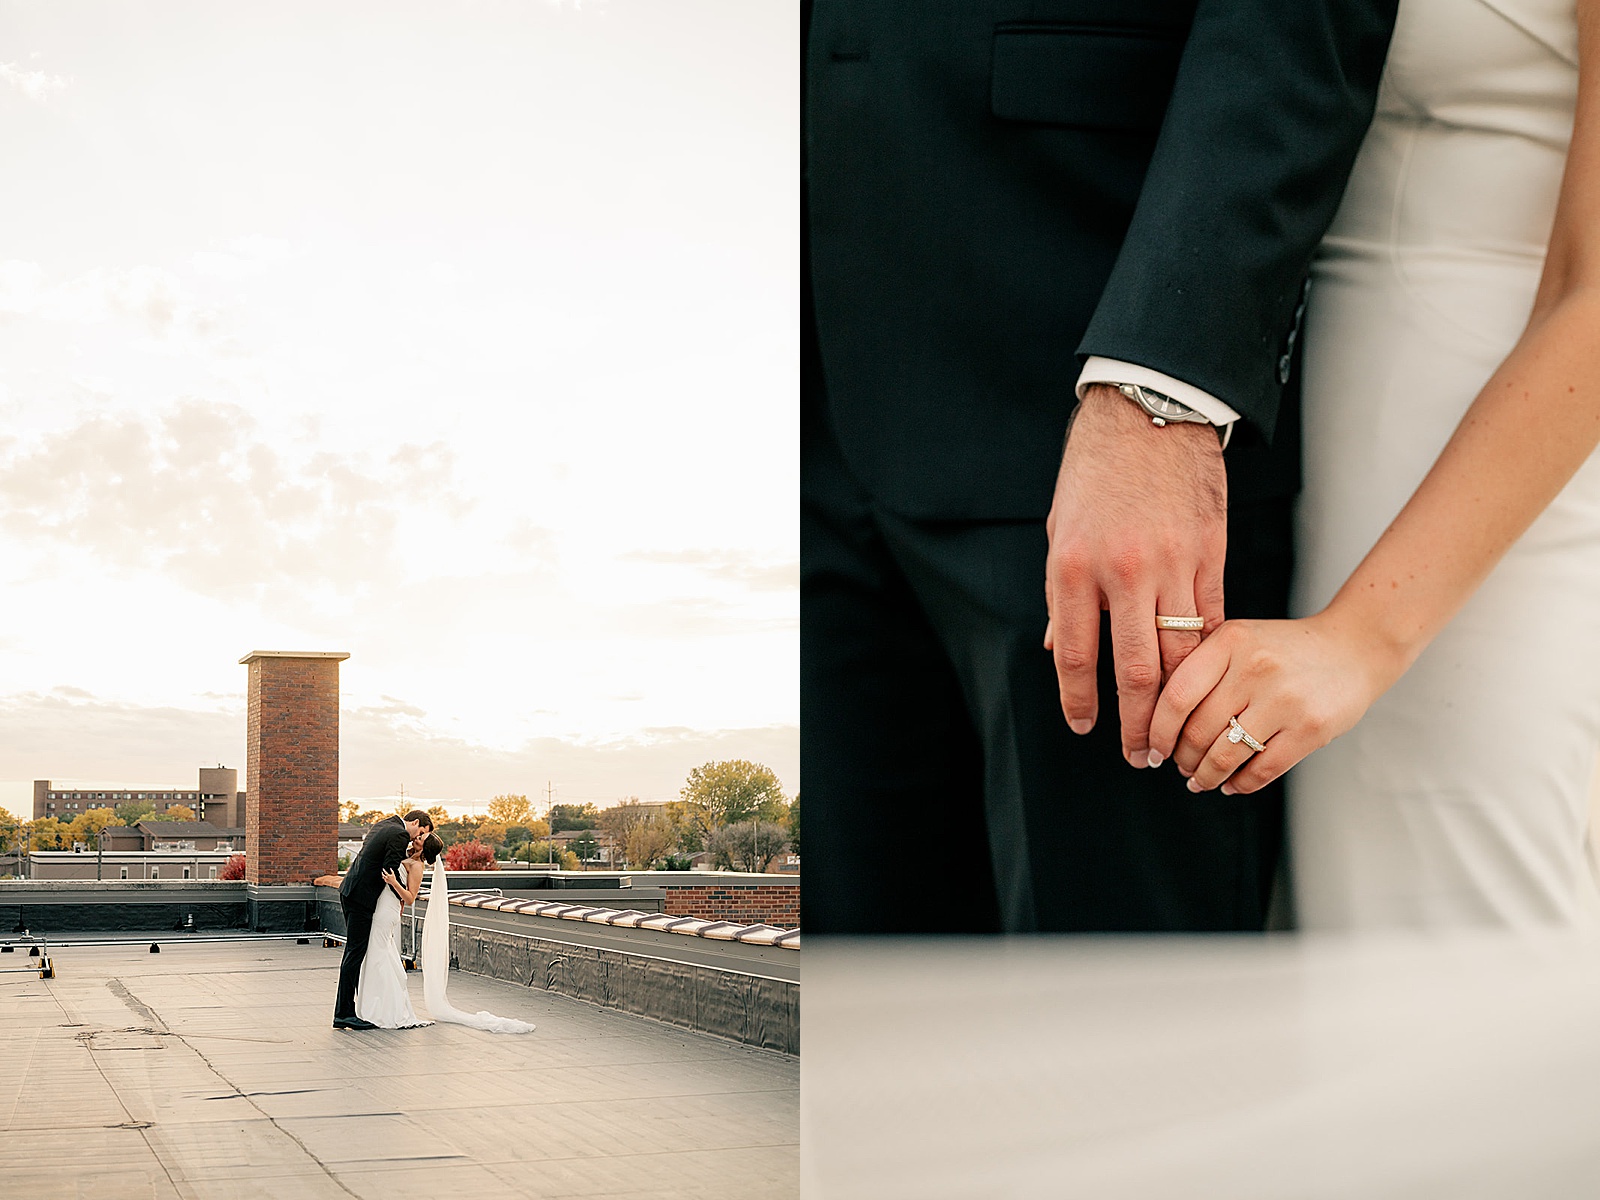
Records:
x=154, y=300
x=196, y=492
x=731, y=566
x=241, y=257
x=34, y=85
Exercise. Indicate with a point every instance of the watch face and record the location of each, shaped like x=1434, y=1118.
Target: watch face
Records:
x=1164, y=406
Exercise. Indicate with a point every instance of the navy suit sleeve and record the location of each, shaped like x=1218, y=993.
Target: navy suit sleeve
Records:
x=394, y=851
x=1268, y=110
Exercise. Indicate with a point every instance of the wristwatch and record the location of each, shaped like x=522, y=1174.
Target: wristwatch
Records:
x=1164, y=410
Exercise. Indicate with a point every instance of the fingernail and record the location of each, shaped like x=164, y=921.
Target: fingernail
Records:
x=1155, y=758
x=1193, y=785
x=1138, y=759
x=1228, y=789
x=1080, y=725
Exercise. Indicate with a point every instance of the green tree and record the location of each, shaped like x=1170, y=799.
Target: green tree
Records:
x=573, y=816
x=793, y=824
x=133, y=811
x=725, y=793
x=511, y=810
x=585, y=847
x=547, y=853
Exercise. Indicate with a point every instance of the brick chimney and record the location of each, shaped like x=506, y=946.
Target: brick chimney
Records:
x=291, y=813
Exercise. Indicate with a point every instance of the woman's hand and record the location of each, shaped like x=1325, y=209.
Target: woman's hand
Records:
x=1292, y=685
x=390, y=878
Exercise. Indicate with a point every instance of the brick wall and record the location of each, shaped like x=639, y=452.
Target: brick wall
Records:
x=749, y=903
x=292, y=766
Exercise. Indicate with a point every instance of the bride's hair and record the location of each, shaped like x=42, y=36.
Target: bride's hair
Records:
x=431, y=847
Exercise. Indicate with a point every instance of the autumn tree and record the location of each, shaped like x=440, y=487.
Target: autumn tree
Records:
x=438, y=815
x=573, y=816
x=11, y=833
x=86, y=826
x=511, y=810
x=45, y=833
x=470, y=856
x=725, y=793
x=491, y=831
x=233, y=868
x=793, y=824
x=620, y=818
x=649, y=841
x=178, y=812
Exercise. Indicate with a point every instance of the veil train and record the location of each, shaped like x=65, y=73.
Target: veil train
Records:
x=436, y=964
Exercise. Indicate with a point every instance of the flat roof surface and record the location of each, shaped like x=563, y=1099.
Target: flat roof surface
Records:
x=212, y=1070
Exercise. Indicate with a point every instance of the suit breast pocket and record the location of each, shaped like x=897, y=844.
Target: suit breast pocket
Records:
x=1083, y=77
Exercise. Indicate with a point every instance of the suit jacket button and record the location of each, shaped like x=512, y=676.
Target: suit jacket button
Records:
x=1283, y=369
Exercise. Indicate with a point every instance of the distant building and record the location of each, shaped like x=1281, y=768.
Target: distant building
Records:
x=215, y=798
x=124, y=864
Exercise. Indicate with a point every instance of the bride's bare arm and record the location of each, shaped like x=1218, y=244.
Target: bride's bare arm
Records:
x=408, y=890
x=1299, y=684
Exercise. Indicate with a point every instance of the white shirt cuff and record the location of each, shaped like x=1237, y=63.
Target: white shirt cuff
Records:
x=1110, y=370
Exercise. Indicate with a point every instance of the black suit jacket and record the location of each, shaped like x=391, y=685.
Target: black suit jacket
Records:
x=997, y=188
x=384, y=848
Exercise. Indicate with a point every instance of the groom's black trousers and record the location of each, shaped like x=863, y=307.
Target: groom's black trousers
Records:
x=357, y=932
x=944, y=792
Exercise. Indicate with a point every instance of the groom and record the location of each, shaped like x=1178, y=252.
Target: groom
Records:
x=1010, y=206
x=383, y=849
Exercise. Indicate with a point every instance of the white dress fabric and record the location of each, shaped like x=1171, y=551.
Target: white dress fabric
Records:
x=382, y=996
x=1462, y=797
x=436, y=965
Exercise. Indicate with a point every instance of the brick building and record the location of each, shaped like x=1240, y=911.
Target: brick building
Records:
x=215, y=797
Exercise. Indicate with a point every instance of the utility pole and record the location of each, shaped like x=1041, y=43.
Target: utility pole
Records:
x=550, y=819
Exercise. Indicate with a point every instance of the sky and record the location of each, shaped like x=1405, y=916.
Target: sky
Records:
x=459, y=336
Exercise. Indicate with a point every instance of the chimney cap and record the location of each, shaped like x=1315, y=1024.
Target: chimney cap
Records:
x=336, y=655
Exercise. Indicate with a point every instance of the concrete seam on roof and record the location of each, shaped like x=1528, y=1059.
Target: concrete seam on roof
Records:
x=726, y=931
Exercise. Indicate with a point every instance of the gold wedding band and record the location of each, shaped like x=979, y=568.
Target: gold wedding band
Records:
x=1194, y=624
x=1236, y=734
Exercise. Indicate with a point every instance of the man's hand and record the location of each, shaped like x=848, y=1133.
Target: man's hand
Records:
x=1138, y=526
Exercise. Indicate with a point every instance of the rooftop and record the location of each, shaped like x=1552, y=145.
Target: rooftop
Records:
x=212, y=1069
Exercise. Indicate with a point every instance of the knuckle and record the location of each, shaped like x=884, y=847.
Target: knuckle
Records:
x=1194, y=742
x=1072, y=660
x=1138, y=677
x=1127, y=565
x=1069, y=565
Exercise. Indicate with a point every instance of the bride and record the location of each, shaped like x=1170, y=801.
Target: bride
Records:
x=381, y=993
x=389, y=975
x=1449, y=527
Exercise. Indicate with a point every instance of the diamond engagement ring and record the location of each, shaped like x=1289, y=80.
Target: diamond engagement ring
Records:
x=1236, y=734
x=1188, y=623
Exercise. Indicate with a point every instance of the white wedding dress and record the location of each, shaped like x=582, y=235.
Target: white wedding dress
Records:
x=436, y=965
x=1462, y=797
x=381, y=995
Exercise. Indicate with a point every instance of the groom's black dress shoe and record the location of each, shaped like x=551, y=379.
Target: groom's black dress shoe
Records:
x=352, y=1023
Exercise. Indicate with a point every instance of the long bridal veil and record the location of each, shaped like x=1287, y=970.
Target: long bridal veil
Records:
x=436, y=964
